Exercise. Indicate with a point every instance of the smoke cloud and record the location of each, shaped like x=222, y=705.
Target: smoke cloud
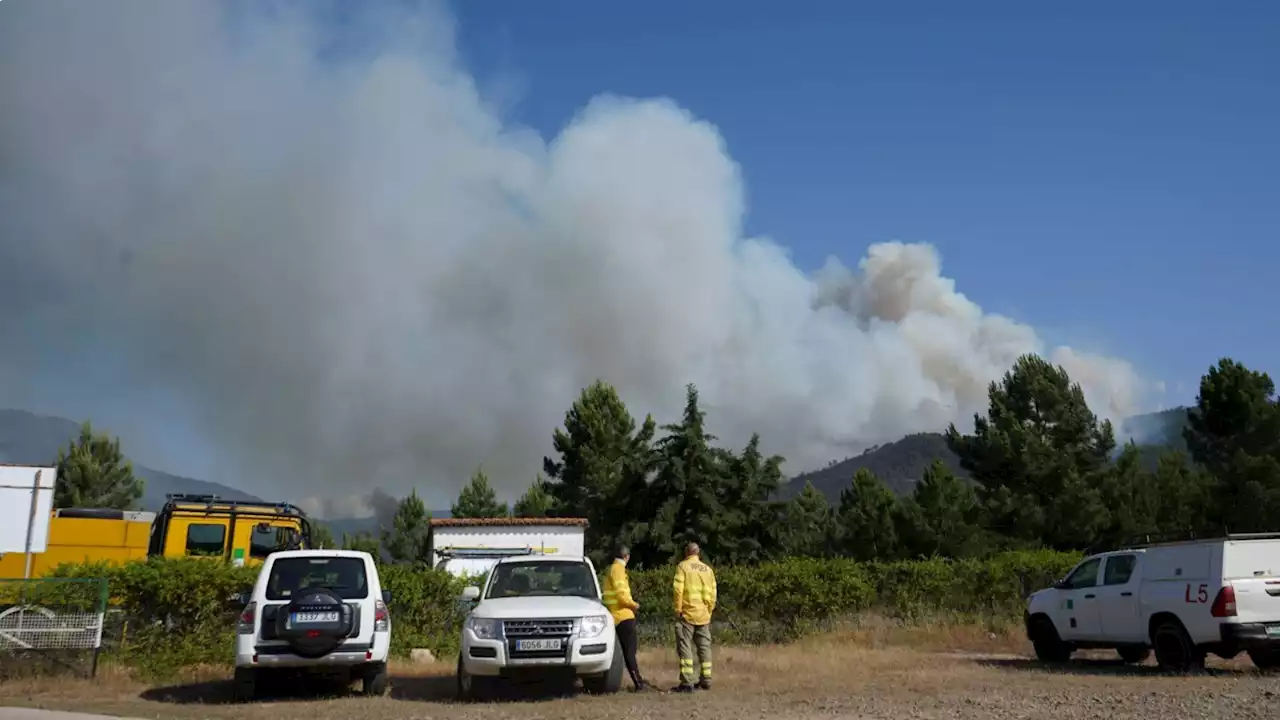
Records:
x=352, y=273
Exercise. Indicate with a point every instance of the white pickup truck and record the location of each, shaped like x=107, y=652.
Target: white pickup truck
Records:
x=538, y=617
x=1185, y=599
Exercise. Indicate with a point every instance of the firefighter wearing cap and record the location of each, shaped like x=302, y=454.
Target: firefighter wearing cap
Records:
x=694, y=589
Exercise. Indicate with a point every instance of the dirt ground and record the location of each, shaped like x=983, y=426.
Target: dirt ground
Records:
x=865, y=673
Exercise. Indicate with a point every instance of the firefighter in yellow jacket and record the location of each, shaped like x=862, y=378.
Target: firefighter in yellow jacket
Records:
x=617, y=597
x=694, y=588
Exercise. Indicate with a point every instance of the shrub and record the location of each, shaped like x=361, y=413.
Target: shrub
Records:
x=178, y=612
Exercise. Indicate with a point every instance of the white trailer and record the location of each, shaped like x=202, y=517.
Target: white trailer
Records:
x=471, y=546
x=26, y=502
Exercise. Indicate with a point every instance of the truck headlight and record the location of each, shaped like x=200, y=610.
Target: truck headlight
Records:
x=593, y=625
x=485, y=628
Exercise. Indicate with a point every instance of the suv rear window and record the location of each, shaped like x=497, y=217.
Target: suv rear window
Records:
x=345, y=576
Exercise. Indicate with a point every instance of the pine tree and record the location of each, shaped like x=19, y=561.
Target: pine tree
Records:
x=688, y=488
x=408, y=539
x=1040, y=457
x=362, y=542
x=750, y=524
x=602, y=469
x=92, y=473
x=321, y=536
x=477, y=499
x=536, y=501
x=941, y=518
x=1234, y=432
x=806, y=526
x=866, y=523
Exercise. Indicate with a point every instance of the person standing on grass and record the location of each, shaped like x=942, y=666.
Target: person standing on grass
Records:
x=694, y=588
x=617, y=597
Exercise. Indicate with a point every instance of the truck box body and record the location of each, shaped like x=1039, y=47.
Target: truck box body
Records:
x=471, y=546
x=76, y=536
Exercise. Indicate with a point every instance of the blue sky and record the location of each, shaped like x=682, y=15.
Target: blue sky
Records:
x=1105, y=172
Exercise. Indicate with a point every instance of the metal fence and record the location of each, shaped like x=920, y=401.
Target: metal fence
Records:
x=56, y=619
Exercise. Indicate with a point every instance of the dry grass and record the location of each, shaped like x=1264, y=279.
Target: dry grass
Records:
x=871, y=669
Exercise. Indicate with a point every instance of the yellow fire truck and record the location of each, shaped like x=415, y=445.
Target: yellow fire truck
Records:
x=187, y=526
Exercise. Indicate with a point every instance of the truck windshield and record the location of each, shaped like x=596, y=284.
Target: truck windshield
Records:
x=345, y=576
x=543, y=578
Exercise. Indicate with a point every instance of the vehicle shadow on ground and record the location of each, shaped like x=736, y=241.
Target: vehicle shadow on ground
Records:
x=221, y=692
x=1082, y=666
x=412, y=688
x=443, y=689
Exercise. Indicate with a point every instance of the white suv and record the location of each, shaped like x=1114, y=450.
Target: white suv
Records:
x=538, y=617
x=318, y=610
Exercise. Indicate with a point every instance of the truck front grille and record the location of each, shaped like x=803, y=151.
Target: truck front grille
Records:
x=517, y=630
x=537, y=628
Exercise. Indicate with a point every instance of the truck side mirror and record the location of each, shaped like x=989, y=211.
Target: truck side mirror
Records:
x=386, y=597
x=471, y=593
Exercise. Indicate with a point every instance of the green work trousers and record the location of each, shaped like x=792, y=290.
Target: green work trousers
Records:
x=692, y=638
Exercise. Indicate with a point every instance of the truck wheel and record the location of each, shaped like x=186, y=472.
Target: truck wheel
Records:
x=1174, y=650
x=375, y=679
x=1265, y=659
x=473, y=688
x=611, y=681
x=1048, y=645
x=245, y=685
x=1134, y=655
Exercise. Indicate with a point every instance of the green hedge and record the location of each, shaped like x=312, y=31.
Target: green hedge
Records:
x=174, y=613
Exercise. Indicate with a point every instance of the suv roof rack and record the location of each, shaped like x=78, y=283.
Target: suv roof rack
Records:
x=172, y=499
x=447, y=553
x=1153, y=540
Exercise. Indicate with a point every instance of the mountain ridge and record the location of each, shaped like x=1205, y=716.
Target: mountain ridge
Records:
x=29, y=438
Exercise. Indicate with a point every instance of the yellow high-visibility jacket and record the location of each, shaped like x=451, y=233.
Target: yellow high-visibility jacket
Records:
x=617, y=593
x=695, y=591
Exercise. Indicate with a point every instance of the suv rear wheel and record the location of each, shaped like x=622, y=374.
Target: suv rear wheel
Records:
x=245, y=685
x=375, y=679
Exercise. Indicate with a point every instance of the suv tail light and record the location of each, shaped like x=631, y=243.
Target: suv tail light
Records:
x=381, y=617
x=247, y=616
x=1224, y=605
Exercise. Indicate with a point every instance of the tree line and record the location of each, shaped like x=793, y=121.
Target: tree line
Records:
x=1045, y=472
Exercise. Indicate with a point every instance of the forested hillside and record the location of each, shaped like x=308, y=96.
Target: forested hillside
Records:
x=1038, y=470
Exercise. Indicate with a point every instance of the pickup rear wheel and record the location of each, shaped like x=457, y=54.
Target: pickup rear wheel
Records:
x=1048, y=644
x=1174, y=650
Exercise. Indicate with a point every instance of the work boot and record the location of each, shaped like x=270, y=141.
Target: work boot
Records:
x=682, y=688
x=704, y=684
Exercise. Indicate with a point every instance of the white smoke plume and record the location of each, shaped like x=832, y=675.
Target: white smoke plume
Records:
x=353, y=273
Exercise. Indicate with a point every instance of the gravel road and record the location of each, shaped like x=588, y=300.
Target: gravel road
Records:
x=811, y=680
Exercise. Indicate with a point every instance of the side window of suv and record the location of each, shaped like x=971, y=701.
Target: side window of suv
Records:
x=1119, y=569
x=206, y=539
x=263, y=541
x=1085, y=576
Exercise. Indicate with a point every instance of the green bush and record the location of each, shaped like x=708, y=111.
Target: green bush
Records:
x=175, y=613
